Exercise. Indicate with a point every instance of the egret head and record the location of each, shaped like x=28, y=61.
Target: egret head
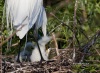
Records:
x=29, y=46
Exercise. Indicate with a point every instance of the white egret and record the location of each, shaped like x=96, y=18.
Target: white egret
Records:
x=29, y=13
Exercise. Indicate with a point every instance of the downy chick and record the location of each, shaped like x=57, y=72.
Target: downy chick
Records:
x=35, y=56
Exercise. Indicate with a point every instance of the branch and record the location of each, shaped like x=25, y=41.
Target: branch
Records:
x=74, y=28
x=11, y=35
x=86, y=47
x=54, y=28
x=55, y=44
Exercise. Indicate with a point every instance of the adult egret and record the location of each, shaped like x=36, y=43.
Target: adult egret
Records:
x=26, y=13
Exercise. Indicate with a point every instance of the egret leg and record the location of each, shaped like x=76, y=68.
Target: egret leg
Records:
x=18, y=59
x=36, y=39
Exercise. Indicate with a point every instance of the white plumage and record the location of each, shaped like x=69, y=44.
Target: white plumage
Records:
x=26, y=12
x=35, y=53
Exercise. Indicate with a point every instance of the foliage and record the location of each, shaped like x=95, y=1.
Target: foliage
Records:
x=1, y=11
x=88, y=16
x=87, y=19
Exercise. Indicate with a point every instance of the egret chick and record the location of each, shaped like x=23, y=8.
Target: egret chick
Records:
x=35, y=56
x=26, y=52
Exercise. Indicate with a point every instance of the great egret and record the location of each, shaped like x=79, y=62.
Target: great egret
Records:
x=29, y=13
x=28, y=55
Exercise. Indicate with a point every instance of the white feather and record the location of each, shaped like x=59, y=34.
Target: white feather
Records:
x=35, y=53
x=25, y=12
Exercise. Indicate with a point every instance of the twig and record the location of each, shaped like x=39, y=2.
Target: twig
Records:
x=98, y=34
x=97, y=61
x=75, y=9
x=90, y=43
x=82, y=30
x=96, y=50
x=15, y=44
x=97, y=71
x=74, y=28
x=58, y=25
x=55, y=28
x=84, y=11
x=11, y=35
x=58, y=19
x=57, y=51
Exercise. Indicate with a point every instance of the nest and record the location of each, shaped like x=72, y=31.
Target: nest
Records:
x=56, y=64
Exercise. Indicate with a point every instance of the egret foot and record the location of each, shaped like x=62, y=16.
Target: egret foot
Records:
x=41, y=61
x=18, y=60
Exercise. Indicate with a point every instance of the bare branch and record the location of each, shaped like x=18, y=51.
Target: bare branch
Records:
x=11, y=35
x=55, y=44
x=74, y=28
